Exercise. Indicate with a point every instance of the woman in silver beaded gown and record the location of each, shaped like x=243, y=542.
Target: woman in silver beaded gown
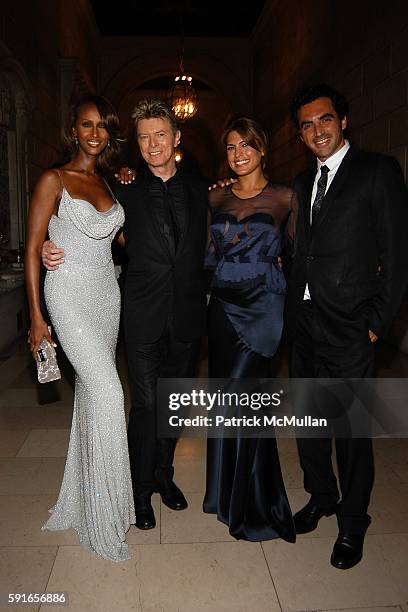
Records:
x=83, y=301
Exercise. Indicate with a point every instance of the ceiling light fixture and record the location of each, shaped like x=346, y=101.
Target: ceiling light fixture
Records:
x=182, y=95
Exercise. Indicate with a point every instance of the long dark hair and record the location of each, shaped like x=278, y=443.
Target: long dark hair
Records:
x=109, y=159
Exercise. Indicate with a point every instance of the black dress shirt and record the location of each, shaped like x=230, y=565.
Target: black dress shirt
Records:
x=169, y=206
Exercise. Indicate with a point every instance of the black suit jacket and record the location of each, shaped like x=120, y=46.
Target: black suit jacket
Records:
x=158, y=282
x=355, y=258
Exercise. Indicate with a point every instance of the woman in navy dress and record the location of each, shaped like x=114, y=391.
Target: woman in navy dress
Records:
x=251, y=221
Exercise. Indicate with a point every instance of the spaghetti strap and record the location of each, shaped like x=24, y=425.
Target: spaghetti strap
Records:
x=110, y=190
x=63, y=188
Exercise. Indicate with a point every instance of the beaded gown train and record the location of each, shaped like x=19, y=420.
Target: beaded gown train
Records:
x=245, y=488
x=83, y=302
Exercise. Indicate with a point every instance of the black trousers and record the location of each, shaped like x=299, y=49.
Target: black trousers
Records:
x=313, y=357
x=151, y=459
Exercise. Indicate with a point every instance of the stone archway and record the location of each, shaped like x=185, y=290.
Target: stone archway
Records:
x=153, y=63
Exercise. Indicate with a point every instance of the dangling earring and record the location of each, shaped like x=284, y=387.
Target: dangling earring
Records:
x=76, y=140
x=109, y=144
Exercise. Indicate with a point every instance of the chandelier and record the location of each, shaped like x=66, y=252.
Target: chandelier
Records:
x=182, y=96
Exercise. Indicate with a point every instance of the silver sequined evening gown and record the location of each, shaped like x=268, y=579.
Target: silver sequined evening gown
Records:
x=83, y=301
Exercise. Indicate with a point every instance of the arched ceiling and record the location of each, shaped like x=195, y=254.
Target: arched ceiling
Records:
x=210, y=70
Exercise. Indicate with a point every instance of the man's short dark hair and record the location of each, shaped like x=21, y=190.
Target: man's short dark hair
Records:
x=309, y=94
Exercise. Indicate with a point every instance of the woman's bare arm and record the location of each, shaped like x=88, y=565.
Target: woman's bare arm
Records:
x=120, y=238
x=42, y=206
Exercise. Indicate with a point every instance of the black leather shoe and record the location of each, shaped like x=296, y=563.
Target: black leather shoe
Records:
x=307, y=519
x=171, y=496
x=347, y=551
x=145, y=518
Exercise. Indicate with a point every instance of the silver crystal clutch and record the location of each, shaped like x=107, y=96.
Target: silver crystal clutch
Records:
x=47, y=366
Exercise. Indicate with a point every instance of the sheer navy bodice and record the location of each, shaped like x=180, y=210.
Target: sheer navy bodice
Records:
x=247, y=237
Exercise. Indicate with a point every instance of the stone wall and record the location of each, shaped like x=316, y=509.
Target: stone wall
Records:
x=34, y=39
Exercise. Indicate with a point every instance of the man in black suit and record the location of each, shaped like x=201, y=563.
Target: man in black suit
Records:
x=164, y=301
x=348, y=277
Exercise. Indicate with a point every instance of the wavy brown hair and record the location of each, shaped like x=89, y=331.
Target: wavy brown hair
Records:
x=109, y=159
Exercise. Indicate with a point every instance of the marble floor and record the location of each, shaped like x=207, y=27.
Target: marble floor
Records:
x=188, y=563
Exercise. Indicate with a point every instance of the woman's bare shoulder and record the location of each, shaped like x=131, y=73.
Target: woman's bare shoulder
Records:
x=49, y=179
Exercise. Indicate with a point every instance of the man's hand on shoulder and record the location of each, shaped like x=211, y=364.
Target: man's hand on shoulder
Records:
x=52, y=257
x=222, y=183
x=125, y=175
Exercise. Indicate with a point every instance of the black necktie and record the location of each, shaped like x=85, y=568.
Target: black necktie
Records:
x=321, y=190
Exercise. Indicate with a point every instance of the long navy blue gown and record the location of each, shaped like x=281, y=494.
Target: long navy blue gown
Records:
x=245, y=487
